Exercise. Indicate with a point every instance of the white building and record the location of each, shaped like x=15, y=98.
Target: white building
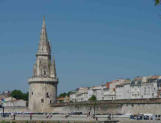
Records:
x=138, y=88
x=135, y=92
x=12, y=102
x=123, y=91
x=107, y=95
x=96, y=91
x=82, y=95
x=149, y=88
x=72, y=96
x=144, y=87
x=110, y=90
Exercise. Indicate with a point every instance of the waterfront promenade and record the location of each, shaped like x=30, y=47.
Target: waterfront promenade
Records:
x=74, y=119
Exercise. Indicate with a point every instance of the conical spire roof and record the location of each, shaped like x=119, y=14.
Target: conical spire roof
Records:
x=44, y=46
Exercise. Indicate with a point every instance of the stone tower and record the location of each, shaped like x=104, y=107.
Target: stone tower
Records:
x=43, y=84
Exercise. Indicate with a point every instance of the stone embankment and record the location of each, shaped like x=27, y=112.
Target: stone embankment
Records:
x=49, y=121
x=133, y=106
x=129, y=106
x=125, y=101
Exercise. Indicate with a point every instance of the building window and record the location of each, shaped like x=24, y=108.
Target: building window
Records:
x=50, y=101
x=32, y=93
x=42, y=100
x=153, y=94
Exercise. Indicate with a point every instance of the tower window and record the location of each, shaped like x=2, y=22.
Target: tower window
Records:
x=42, y=100
x=50, y=101
x=44, y=72
x=32, y=93
x=47, y=95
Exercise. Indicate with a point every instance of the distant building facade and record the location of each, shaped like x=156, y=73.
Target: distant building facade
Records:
x=96, y=91
x=43, y=84
x=72, y=96
x=82, y=95
x=138, y=88
x=145, y=87
x=123, y=91
x=13, y=102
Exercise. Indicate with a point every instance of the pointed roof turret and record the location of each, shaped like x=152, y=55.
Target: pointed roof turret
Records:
x=44, y=46
x=53, y=69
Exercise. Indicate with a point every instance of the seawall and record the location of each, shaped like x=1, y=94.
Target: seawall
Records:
x=53, y=121
x=134, y=106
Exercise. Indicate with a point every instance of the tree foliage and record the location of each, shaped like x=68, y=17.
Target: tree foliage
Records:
x=18, y=94
x=157, y=2
x=92, y=98
x=65, y=94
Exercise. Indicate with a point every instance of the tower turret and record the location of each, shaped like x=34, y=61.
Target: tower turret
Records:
x=53, y=69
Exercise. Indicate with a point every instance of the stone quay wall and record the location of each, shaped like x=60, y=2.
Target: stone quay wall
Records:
x=14, y=109
x=54, y=121
x=134, y=106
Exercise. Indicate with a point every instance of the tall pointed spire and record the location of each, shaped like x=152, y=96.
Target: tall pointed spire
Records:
x=44, y=46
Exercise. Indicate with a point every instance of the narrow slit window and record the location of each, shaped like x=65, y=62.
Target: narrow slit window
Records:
x=47, y=95
x=42, y=100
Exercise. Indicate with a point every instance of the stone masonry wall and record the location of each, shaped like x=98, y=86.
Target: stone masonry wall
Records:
x=41, y=96
x=101, y=108
x=150, y=106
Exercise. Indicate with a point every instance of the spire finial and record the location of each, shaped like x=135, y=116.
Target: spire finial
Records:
x=43, y=21
x=44, y=46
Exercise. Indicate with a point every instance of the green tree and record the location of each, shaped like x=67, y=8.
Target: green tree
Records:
x=157, y=2
x=18, y=94
x=92, y=98
x=68, y=94
x=63, y=94
x=25, y=96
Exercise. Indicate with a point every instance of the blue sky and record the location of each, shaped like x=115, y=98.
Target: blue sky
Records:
x=94, y=41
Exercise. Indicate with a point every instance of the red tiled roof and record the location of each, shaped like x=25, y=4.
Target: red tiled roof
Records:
x=155, y=77
x=108, y=84
x=60, y=99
